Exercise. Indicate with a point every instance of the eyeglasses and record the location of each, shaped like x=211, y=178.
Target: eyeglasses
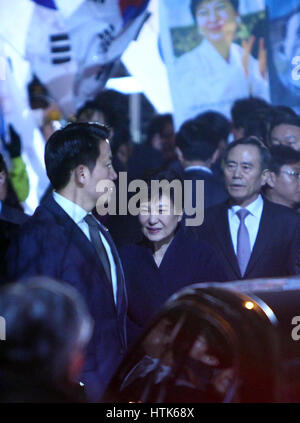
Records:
x=296, y=175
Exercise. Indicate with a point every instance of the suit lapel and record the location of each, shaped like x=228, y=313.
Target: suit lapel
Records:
x=75, y=236
x=224, y=238
x=264, y=235
x=121, y=292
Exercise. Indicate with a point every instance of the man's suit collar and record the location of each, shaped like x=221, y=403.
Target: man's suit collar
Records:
x=87, y=249
x=265, y=233
x=222, y=233
x=12, y=215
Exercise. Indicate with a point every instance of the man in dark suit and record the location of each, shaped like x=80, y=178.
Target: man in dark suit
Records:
x=197, y=154
x=10, y=221
x=63, y=240
x=253, y=237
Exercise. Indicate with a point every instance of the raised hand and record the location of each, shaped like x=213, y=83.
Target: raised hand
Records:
x=14, y=146
x=247, y=49
x=262, y=58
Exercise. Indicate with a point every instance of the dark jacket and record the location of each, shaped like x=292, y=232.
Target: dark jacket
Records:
x=51, y=244
x=186, y=261
x=276, y=247
x=214, y=189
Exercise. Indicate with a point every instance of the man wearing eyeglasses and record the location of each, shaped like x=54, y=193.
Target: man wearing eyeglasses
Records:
x=286, y=131
x=283, y=186
x=253, y=237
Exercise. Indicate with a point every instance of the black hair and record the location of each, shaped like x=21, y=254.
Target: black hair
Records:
x=157, y=124
x=74, y=145
x=285, y=119
x=195, y=3
x=243, y=107
x=284, y=111
x=264, y=152
x=165, y=175
x=282, y=155
x=194, y=143
x=46, y=321
x=89, y=108
x=213, y=125
x=258, y=124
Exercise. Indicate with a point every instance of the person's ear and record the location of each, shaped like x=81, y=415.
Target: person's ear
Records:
x=265, y=177
x=271, y=181
x=215, y=156
x=179, y=154
x=80, y=174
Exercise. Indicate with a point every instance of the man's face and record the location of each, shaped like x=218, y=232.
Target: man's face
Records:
x=103, y=170
x=286, y=185
x=243, y=173
x=286, y=135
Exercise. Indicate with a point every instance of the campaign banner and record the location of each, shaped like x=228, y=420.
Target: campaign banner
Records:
x=284, y=52
x=71, y=48
x=215, y=53
x=74, y=55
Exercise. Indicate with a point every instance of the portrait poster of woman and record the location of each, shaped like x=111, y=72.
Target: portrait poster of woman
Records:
x=215, y=53
x=284, y=52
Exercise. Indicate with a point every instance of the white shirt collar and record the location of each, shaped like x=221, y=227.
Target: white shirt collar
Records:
x=75, y=212
x=255, y=208
x=198, y=167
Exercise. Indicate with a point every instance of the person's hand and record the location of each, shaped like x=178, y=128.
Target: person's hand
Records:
x=262, y=58
x=247, y=49
x=14, y=146
x=262, y=55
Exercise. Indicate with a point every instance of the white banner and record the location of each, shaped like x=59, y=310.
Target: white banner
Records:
x=214, y=55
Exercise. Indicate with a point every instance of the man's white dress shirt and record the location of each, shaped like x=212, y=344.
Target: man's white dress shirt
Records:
x=77, y=214
x=252, y=221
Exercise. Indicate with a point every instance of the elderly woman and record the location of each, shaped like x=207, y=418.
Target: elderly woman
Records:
x=218, y=69
x=167, y=259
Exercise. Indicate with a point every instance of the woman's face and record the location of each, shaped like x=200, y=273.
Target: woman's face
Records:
x=158, y=219
x=216, y=20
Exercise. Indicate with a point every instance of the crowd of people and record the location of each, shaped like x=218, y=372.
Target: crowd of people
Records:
x=79, y=287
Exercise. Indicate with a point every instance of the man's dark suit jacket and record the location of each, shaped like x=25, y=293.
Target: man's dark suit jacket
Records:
x=214, y=189
x=51, y=244
x=10, y=221
x=276, y=247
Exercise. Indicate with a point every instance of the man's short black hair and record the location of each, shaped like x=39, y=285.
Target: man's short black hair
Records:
x=46, y=321
x=195, y=4
x=258, y=124
x=76, y=144
x=193, y=143
x=282, y=155
x=243, y=107
x=286, y=120
x=157, y=125
x=214, y=125
x=263, y=150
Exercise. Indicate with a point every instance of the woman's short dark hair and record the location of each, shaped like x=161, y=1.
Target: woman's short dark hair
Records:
x=74, y=145
x=196, y=3
x=172, y=178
